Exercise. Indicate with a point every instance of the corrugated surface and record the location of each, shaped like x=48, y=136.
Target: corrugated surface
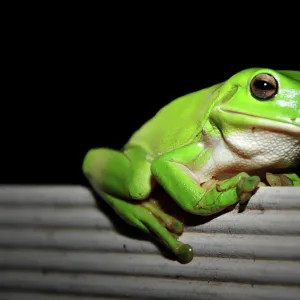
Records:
x=55, y=244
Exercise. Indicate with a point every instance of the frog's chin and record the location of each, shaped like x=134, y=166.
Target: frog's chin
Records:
x=241, y=120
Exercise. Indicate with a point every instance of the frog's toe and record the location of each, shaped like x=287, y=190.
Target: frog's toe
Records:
x=171, y=223
x=184, y=253
x=248, y=184
x=175, y=226
x=278, y=180
x=246, y=187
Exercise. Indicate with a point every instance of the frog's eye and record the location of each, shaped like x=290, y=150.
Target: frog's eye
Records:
x=263, y=86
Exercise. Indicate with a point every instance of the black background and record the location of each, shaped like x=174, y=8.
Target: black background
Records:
x=75, y=83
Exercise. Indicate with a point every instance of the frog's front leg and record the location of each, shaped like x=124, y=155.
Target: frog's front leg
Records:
x=171, y=171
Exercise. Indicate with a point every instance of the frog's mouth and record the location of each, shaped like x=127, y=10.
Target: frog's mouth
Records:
x=242, y=119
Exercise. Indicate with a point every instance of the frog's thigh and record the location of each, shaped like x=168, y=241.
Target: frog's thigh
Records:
x=142, y=218
x=123, y=174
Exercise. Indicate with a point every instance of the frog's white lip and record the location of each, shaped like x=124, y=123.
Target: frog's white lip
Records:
x=267, y=123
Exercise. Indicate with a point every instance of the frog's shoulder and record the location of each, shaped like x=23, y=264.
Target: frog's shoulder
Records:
x=178, y=123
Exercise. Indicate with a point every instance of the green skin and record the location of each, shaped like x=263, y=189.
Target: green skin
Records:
x=229, y=135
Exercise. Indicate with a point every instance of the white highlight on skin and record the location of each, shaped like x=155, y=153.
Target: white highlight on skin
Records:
x=284, y=103
x=289, y=94
x=250, y=151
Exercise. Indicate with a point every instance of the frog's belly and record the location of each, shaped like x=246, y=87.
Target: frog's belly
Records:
x=251, y=152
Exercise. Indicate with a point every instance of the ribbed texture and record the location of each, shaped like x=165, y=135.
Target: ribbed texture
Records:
x=55, y=244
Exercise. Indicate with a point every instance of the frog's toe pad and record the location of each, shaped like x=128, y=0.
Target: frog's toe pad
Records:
x=249, y=184
x=185, y=254
x=246, y=187
x=278, y=180
x=176, y=226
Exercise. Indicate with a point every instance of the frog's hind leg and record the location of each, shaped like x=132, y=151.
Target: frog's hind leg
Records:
x=123, y=179
x=143, y=218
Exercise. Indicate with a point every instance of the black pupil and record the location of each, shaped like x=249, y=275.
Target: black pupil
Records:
x=263, y=85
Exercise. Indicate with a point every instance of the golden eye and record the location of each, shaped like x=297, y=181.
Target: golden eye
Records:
x=263, y=87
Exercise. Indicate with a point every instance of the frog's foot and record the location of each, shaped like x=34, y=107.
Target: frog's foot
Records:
x=149, y=218
x=245, y=186
x=171, y=223
x=164, y=226
x=238, y=189
x=283, y=179
x=183, y=252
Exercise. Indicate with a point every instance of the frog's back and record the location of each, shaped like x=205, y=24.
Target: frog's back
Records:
x=176, y=124
x=291, y=73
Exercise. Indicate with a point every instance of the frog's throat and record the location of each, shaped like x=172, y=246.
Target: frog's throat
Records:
x=287, y=126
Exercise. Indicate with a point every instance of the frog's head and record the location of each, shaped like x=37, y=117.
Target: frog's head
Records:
x=258, y=113
x=263, y=98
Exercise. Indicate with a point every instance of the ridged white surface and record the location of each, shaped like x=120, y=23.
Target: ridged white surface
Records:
x=56, y=244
